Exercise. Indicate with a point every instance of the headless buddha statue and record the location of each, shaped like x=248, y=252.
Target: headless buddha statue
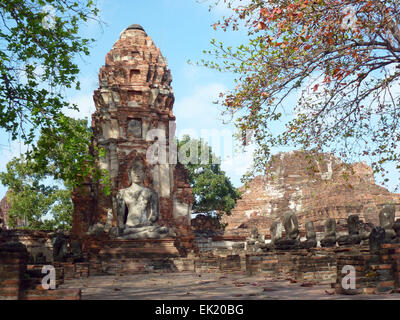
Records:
x=138, y=209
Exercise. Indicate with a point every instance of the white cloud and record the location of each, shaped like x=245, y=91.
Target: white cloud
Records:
x=238, y=165
x=197, y=116
x=84, y=99
x=197, y=111
x=86, y=107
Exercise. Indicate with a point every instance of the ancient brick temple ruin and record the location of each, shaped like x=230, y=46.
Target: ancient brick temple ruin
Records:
x=314, y=187
x=306, y=219
x=135, y=125
x=144, y=223
x=4, y=207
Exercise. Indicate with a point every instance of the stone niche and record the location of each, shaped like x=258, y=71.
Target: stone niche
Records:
x=134, y=113
x=134, y=128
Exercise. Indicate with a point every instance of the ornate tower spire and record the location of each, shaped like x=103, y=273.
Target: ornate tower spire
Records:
x=134, y=111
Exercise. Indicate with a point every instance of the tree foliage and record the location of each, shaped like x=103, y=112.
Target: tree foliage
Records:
x=33, y=203
x=39, y=46
x=67, y=155
x=36, y=199
x=326, y=71
x=212, y=189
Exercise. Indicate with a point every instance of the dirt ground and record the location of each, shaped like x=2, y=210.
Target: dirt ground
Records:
x=207, y=286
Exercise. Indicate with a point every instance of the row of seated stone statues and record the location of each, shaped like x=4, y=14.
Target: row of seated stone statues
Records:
x=387, y=232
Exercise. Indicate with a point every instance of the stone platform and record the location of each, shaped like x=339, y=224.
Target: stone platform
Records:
x=131, y=256
x=148, y=248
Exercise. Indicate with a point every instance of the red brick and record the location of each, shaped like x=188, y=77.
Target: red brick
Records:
x=386, y=284
x=370, y=290
x=10, y=282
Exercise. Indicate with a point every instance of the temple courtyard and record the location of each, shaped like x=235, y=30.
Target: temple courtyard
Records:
x=295, y=233
x=207, y=286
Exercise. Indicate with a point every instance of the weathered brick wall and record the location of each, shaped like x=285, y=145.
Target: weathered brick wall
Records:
x=210, y=263
x=379, y=273
x=61, y=294
x=317, y=265
x=222, y=243
x=32, y=288
x=133, y=266
x=374, y=273
x=130, y=256
x=70, y=270
x=13, y=260
x=38, y=243
x=34, y=276
x=20, y=281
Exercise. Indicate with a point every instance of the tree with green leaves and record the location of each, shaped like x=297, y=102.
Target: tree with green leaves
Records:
x=36, y=199
x=214, y=194
x=317, y=75
x=33, y=203
x=68, y=155
x=40, y=42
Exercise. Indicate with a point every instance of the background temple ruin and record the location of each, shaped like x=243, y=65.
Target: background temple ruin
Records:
x=314, y=186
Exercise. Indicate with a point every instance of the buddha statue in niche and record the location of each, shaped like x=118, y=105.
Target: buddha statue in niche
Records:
x=138, y=209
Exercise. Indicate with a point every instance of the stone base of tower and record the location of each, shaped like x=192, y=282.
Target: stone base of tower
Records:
x=149, y=248
x=115, y=256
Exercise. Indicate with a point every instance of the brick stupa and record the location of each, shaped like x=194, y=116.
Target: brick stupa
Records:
x=134, y=100
x=315, y=188
x=4, y=208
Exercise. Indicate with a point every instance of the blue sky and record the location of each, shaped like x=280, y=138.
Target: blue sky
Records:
x=182, y=30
